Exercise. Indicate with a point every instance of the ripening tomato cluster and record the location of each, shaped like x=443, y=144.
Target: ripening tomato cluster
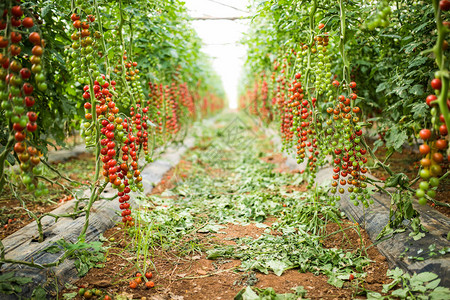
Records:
x=157, y=99
x=132, y=78
x=265, y=108
x=344, y=134
x=434, y=148
x=187, y=100
x=17, y=89
x=81, y=56
x=172, y=109
x=256, y=99
x=115, y=131
x=302, y=117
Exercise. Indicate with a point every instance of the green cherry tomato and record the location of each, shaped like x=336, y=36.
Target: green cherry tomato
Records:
x=40, y=77
x=42, y=86
x=420, y=193
x=425, y=174
x=424, y=185
x=431, y=193
x=434, y=181
x=422, y=201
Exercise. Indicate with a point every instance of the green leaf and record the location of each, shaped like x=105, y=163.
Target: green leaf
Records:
x=417, y=90
x=277, y=266
x=246, y=294
x=39, y=293
x=424, y=277
x=23, y=280
x=374, y=296
x=70, y=296
x=440, y=293
x=400, y=293
x=396, y=138
x=382, y=86
x=418, y=61
x=6, y=276
x=433, y=284
x=335, y=281
x=53, y=249
x=211, y=228
x=300, y=291
x=420, y=110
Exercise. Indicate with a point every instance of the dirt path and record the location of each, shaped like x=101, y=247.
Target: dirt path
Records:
x=230, y=215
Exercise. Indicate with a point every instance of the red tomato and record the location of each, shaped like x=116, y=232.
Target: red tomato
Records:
x=444, y=5
x=28, y=22
x=75, y=17
x=425, y=134
x=17, y=11
x=443, y=130
x=3, y=42
x=16, y=37
x=438, y=157
x=436, y=84
x=34, y=38
x=424, y=149
x=441, y=144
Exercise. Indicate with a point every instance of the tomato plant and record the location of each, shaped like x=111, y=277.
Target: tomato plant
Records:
x=77, y=65
x=337, y=81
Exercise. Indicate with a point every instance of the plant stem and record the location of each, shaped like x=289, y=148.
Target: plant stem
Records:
x=442, y=32
x=3, y=155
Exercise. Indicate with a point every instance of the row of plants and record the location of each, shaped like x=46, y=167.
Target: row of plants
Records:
x=129, y=75
x=335, y=74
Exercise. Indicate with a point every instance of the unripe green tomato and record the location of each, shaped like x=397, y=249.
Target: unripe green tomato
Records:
x=420, y=193
x=436, y=170
x=37, y=68
x=15, y=119
x=431, y=193
x=434, y=181
x=422, y=201
x=3, y=96
x=23, y=122
x=425, y=174
x=40, y=77
x=19, y=110
x=31, y=187
x=424, y=185
x=42, y=86
x=26, y=179
x=17, y=100
x=37, y=171
x=14, y=90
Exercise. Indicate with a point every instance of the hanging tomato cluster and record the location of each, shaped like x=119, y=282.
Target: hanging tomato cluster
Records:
x=157, y=99
x=344, y=134
x=187, y=100
x=171, y=109
x=17, y=87
x=434, y=147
